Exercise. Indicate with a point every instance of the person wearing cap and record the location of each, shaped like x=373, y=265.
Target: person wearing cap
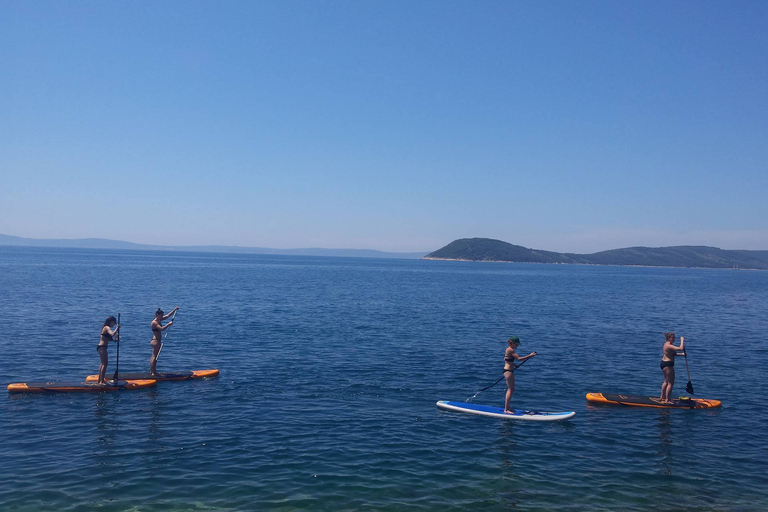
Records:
x=157, y=336
x=510, y=356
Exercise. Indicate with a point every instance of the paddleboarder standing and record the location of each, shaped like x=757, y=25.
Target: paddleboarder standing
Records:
x=108, y=331
x=670, y=351
x=510, y=356
x=157, y=336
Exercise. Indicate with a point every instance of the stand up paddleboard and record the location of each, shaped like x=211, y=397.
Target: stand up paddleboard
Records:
x=190, y=375
x=78, y=387
x=498, y=412
x=683, y=402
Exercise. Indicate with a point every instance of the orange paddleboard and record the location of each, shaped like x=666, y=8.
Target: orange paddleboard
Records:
x=78, y=387
x=683, y=402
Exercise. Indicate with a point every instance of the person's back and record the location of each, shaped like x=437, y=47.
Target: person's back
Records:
x=669, y=351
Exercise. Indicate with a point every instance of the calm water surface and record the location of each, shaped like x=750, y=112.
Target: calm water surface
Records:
x=330, y=370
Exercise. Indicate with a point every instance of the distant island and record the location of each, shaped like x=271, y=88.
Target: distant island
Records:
x=103, y=243
x=487, y=249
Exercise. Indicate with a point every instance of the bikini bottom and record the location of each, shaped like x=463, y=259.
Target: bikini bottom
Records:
x=667, y=364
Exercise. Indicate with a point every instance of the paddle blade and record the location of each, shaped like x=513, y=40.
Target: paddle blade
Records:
x=689, y=388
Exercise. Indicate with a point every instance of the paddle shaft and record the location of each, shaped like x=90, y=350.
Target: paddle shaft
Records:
x=689, y=386
x=165, y=336
x=117, y=340
x=502, y=378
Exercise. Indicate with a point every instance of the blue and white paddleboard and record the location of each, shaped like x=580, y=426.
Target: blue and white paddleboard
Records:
x=498, y=412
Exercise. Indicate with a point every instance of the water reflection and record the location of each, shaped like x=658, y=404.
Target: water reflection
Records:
x=507, y=445
x=155, y=431
x=104, y=413
x=664, y=448
x=510, y=478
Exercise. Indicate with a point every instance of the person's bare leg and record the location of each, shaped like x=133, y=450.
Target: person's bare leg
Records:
x=103, y=366
x=153, y=359
x=510, y=377
x=670, y=383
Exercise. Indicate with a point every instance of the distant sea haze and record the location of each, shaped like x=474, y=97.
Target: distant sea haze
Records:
x=102, y=243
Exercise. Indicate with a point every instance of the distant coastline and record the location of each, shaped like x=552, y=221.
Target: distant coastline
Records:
x=490, y=250
x=103, y=243
x=427, y=258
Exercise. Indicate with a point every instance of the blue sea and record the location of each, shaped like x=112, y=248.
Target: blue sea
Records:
x=330, y=370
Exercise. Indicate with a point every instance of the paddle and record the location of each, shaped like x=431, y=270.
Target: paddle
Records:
x=502, y=378
x=689, y=386
x=117, y=340
x=165, y=336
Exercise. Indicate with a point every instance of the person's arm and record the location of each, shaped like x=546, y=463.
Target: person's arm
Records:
x=532, y=354
x=166, y=317
x=164, y=327
x=682, y=346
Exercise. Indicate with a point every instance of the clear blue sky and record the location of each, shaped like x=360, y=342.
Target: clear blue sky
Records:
x=568, y=126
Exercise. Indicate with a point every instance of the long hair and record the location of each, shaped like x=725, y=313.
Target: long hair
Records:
x=670, y=336
x=108, y=321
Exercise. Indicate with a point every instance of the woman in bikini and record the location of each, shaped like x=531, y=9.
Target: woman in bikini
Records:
x=670, y=351
x=108, y=331
x=510, y=356
x=157, y=337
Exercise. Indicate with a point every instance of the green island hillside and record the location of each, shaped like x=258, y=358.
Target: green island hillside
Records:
x=487, y=249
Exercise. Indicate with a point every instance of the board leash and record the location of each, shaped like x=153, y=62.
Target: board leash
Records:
x=489, y=387
x=165, y=336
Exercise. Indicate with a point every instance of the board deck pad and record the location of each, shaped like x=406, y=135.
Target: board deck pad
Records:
x=498, y=412
x=77, y=387
x=185, y=375
x=652, y=401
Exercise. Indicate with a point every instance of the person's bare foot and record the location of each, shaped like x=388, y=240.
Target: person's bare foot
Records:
x=507, y=411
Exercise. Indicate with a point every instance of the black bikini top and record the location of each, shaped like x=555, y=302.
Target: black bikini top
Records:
x=107, y=336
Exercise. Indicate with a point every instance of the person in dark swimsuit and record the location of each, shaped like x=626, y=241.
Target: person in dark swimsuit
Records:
x=510, y=356
x=157, y=336
x=669, y=351
x=108, y=331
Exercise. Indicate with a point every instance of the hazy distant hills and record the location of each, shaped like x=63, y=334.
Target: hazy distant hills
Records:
x=486, y=249
x=472, y=249
x=101, y=243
